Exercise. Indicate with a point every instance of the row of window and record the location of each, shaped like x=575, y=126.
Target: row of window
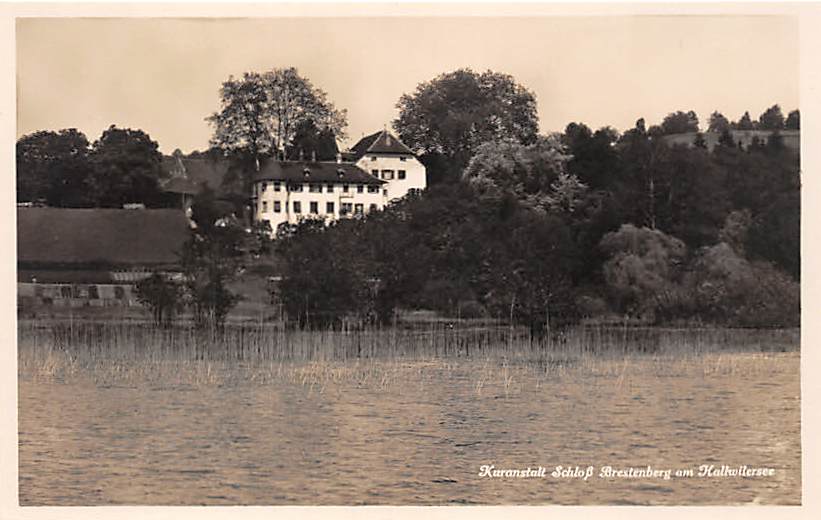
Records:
x=345, y=208
x=317, y=188
x=401, y=158
x=388, y=174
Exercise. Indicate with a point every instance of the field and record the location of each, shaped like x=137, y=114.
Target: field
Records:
x=128, y=414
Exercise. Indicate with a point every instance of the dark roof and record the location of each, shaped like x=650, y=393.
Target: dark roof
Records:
x=187, y=174
x=317, y=171
x=382, y=142
x=104, y=237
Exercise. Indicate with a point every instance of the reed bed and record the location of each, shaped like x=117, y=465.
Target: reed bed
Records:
x=499, y=358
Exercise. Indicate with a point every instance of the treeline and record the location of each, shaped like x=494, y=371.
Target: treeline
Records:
x=63, y=169
x=515, y=225
x=548, y=230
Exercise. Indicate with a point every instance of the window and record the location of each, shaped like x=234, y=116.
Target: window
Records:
x=265, y=206
x=329, y=188
x=276, y=185
x=277, y=206
x=387, y=175
x=264, y=187
x=358, y=208
x=329, y=208
x=345, y=188
x=314, y=207
x=360, y=188
x=315, y=188
x=375, y=173
x=297, y=207
x=295, y=187
x=385, y=192
x=345, y=208
x=373, y=207
x=373, y=189
x=373, y=157
x=403, y=158
x=401, y=174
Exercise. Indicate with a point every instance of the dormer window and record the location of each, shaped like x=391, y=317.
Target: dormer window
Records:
x=306, y=172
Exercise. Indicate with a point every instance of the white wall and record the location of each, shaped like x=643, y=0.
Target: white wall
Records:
x=286, y=199
x=414, y=172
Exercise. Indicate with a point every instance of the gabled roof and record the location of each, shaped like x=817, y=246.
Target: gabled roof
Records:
x=315, y=171
x=187, y=174
x=101, y=237
x=382, y=142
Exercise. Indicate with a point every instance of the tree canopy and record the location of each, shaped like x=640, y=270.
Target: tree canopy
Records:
x=771, y=119
x=54, y=167
x=680, y=123
x=451, y=115
x=261, y=113
x=126, y=168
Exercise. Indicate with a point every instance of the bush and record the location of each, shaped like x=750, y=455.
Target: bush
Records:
x=730, y=290
x=162, y=297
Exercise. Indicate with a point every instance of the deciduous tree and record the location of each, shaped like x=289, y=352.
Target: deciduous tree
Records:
x=451, y=115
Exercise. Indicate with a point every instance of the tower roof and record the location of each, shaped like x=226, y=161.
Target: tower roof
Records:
x=381, y=142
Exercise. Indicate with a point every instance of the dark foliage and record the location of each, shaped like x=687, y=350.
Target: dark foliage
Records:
x=163, y=297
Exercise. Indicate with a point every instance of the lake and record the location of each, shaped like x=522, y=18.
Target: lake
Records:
x=416, y=433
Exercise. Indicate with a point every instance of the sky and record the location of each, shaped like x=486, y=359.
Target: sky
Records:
x=163, y=75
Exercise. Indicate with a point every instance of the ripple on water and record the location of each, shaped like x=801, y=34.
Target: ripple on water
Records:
x=412, y=443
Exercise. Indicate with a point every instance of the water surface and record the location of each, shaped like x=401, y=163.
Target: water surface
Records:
x=417, y=434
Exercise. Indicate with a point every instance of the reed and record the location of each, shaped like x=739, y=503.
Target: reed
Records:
x=129, y=353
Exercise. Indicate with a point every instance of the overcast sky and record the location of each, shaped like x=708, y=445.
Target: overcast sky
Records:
x=163, y=75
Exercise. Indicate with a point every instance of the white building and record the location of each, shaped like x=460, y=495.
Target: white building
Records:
x=287, y=191
x=387, y=158
x=385, y=170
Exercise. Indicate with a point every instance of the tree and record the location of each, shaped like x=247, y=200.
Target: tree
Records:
x=162, y=296
x=745, y=123
x=775, y=234
x=735, y=231
x=772, y=119
x=729, y=290
x=55, y=167
x=643, y=270
x=680, y=123
x=244, y=123
x=258, y=120
x=535, y=174
x=211, y=257
x=126, y=169
x=326, y=277
x=793, y=121
x=261, y=113
x=691, y=203
x=595, y=161
x=718, y=123
x=451, y=115
x=311, y=142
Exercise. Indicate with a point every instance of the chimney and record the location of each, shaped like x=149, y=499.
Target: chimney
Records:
x=338, y=158
x=313, y=155
x=301, y=154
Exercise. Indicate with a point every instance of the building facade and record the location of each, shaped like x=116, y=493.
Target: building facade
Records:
x=387, y=158
x=288, y=191
x=379, y=170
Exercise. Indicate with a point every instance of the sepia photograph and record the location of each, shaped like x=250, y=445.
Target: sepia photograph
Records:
x=411, y=260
